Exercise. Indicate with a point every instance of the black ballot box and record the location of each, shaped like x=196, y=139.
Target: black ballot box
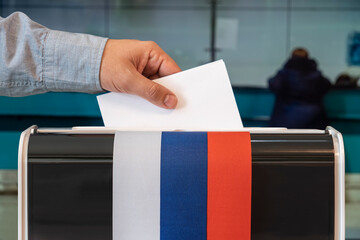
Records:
x=65, y=184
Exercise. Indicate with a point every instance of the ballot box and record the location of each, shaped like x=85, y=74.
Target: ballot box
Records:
x=66, y=184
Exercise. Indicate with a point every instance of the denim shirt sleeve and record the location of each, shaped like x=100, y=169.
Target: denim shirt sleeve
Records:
x=35, y=59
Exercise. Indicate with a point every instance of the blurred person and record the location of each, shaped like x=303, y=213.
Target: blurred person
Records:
x=353, y=72
x=35, y=59
x=299, y=88
x=345, y=81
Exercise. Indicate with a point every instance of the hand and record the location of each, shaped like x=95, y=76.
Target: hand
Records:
x=128, y=66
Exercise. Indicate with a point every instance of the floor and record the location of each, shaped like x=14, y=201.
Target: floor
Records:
x=8, y=207
x=8, y=217
x=352, y=221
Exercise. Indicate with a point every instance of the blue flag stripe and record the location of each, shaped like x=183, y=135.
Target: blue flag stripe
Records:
x=183, y=186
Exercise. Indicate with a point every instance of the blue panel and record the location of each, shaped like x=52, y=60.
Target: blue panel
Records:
x=9, y=142
x=51, y=104
x=254, y=104
x=257, y=104
x=183, y=204
x=343, y=104
x=352, y=152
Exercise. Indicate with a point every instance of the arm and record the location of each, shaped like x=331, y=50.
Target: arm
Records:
x=35, y=59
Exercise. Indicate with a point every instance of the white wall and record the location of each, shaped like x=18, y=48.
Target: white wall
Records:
x=254, y=36
x=269, y=30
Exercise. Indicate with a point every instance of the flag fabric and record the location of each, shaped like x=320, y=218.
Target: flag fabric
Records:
x=182, y=185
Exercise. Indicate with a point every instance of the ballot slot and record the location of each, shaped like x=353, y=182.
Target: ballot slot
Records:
x=70, y=186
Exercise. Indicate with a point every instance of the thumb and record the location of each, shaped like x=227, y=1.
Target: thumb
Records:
x=154, y=93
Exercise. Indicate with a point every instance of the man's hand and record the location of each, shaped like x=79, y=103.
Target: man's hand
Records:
x=128, y=66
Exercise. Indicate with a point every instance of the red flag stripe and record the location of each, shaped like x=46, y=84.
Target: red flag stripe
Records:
x=229, y=186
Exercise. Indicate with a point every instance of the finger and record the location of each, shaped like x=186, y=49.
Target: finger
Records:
x=154, y=92
x=153, y=77
x=160, y=64
x=168, y=66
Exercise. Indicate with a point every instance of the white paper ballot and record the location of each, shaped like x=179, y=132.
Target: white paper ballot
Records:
x=205, y=103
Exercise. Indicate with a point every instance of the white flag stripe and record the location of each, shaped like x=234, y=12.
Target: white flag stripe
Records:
x=136, y=186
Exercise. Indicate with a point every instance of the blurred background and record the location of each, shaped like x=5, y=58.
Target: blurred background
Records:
x=255, y=39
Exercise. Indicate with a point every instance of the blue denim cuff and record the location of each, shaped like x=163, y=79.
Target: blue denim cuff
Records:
x=71, y=62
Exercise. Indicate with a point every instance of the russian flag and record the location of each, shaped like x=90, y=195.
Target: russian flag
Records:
x=182, y=185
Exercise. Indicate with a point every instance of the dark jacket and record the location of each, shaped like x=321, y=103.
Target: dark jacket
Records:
x=299, y=88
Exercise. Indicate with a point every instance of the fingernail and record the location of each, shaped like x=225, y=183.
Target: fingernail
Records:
x=170, y=101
